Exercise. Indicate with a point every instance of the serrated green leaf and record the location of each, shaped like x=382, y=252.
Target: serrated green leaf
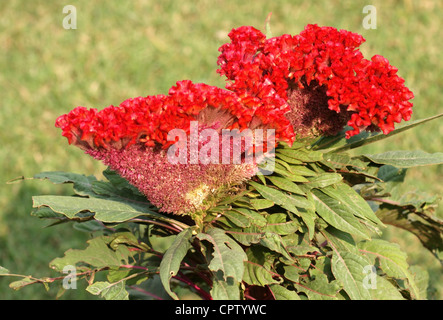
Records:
x=173, y=257
x=352, y=200
x=350, y=269
x=384, y=290
x=406, y=159
x=392, y=260
x=282, y=293
x=98, y=254
x=337, y=215
x=109, y=291
x=227, y=256
x=82, y=184
x=106, y=210
x=388, y=173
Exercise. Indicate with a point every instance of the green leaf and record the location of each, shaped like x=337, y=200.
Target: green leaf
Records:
x=352, y=200
x=288, y=201
x=277, y=224
x=302, y=154
x=109, y=291
x=278, y=197
x=339, y=143
x=247, y=236
x=16, y=285
x=337, y=214
x=237, y=218
x=3, y=271
x=227, y=255
x=417, y=220
x=285, y=184
x=275, y=243
x=391, y=259
x=225, y=289
x=173, y=257
x=406, y=159
x=260, y=204
x=385, y=290
x=323, y=180
x=82, y=184
x=106, y=210
x=319, y=288
x=349, y=268
x=98, y=254
x=258, y=267
x=281, y=293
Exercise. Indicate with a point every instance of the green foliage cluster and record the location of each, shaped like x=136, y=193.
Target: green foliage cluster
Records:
x=309, y=230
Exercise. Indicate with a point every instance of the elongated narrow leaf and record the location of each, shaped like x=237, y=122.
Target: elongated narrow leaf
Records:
x=323, y=180
x=278, y=197
x=285, y=184
x=337, y=214
x=237, y=218
x=340, y=144
x=173, y=257
x=302, y=154
x=406, y=159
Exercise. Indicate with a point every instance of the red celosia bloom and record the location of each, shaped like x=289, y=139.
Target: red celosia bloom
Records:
x=319, y=78
x=132, y=139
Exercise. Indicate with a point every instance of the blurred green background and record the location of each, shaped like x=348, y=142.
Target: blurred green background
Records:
x=124, y=49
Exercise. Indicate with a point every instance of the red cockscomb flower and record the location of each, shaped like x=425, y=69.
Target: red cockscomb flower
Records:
x=132, y=139
x=319, y=76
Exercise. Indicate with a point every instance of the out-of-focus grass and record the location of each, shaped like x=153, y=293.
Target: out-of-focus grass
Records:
x=124, y=49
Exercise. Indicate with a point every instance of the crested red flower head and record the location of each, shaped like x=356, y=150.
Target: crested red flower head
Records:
x=134, y=139
x=319, y=78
